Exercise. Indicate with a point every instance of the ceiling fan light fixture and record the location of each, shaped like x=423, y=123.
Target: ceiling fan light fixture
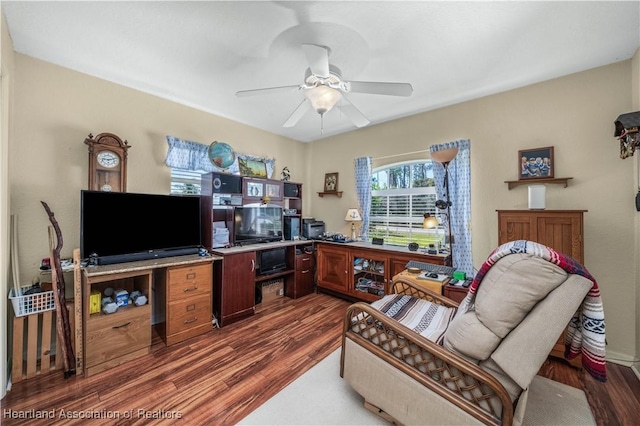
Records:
x=323, y=98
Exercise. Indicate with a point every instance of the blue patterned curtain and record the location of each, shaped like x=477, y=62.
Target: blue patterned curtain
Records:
x=363, y=192
x=190, y=155
x=460, y=193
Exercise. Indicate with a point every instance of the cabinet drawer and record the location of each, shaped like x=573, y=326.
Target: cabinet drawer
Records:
x=304, y=262
x=111, y=336
x=190, y=281
x=186, y=314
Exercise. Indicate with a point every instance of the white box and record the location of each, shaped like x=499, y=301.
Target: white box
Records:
x=537, y=195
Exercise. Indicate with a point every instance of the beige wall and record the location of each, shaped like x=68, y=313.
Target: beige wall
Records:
x=6, y=71
x=54, y=109
x=574, y=114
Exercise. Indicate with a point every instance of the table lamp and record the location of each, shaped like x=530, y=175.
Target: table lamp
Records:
x=353, y=216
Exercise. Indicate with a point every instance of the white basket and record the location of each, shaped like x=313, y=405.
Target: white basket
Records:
x=31, y=303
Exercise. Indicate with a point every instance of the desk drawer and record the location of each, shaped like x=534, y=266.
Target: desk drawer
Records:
x=189, y=281
x=111, y=336
x=191, y=313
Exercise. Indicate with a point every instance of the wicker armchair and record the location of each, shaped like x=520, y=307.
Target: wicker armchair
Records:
x=410, y=379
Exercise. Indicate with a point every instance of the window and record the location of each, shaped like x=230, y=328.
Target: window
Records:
x=401, y=195
x=185, y=181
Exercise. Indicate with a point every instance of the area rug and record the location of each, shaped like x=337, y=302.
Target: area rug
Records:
x=321, y=397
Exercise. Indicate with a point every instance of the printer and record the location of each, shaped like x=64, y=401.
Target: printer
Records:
x=311, y=228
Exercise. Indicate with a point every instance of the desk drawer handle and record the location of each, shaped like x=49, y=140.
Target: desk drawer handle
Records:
x=306, y=259
x=190, y=321
x=304, y=272
x=188, y=289
x=191, y=276
x=121, y=326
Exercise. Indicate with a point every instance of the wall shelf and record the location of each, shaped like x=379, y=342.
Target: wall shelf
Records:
x=336, y=193
x=555, y=181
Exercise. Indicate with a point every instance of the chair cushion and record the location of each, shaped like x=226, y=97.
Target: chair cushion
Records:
x=508, y=292
x=511, y=289
x=425, y=318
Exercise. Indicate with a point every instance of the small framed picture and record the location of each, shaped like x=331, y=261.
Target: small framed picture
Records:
x=252, y=168
x=331, y=182
x=536, y=163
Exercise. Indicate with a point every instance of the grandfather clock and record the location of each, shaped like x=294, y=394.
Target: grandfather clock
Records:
x=107, y=162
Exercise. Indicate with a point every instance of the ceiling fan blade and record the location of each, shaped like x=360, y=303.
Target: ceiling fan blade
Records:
x=318, y=58
x=297, y=114
x=352, y=112
x=266, y=91
x=379, y=88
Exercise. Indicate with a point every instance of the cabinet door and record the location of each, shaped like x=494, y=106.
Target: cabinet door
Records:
x=236, y=296
x=515, y=226
x=562, y=233
x=333, y=268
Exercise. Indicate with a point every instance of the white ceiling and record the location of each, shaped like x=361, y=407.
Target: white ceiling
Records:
x=200, y=53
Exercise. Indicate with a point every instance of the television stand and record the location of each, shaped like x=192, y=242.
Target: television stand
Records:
x=125, y=335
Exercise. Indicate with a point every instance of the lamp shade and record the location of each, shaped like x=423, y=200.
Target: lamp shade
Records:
x=445, y=155
x=323, y=98
x=429, y=221
x=353, y=215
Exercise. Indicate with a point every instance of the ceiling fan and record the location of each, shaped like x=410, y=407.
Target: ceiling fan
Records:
x=324, y=88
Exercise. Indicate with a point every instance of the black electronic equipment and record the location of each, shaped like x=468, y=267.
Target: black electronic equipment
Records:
x=272, y=260
x=226, y=184
x=377, y=241
x=257, y=224
x=291, y=227
x=312, y=229
x=291, y=190
x=118, y=227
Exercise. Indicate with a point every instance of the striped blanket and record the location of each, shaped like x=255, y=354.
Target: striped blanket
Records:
x=585, y=333
x=425, y=318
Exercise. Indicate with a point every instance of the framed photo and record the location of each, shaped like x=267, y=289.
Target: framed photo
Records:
x=331, y=182
x=536, y=163
x=252, y=168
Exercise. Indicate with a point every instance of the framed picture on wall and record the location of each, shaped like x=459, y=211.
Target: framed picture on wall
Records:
x=331, y=182
x=536, y=163
x=252, y=168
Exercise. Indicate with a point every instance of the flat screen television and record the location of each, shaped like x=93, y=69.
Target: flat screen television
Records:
x=120, y=227
x=272, y=261
x=257, y=224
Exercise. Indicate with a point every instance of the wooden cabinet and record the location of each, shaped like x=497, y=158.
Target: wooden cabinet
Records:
x=562, y=230
x=187, y=293
x=362, y=271
x=455, y=292
x=234, y=287
x=111, y=339
x=333, y=268
x=302, y=283
x=256, y=190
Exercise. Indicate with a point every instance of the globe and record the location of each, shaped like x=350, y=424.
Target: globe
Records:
x=221, y=155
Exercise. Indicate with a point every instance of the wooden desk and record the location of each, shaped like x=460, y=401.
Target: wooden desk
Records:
x=434, y=286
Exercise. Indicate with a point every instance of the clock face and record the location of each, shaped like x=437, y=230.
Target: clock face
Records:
x=108, y=159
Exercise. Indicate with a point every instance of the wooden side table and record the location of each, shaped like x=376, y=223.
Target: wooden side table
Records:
x=434, y=286
x=455, y=292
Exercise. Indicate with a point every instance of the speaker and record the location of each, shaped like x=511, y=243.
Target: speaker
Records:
x=537, y=197
x=291, y=227
x=291, y=190
x=226, y=184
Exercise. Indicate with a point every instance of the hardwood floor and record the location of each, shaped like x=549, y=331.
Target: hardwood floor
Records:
x=220, y=377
